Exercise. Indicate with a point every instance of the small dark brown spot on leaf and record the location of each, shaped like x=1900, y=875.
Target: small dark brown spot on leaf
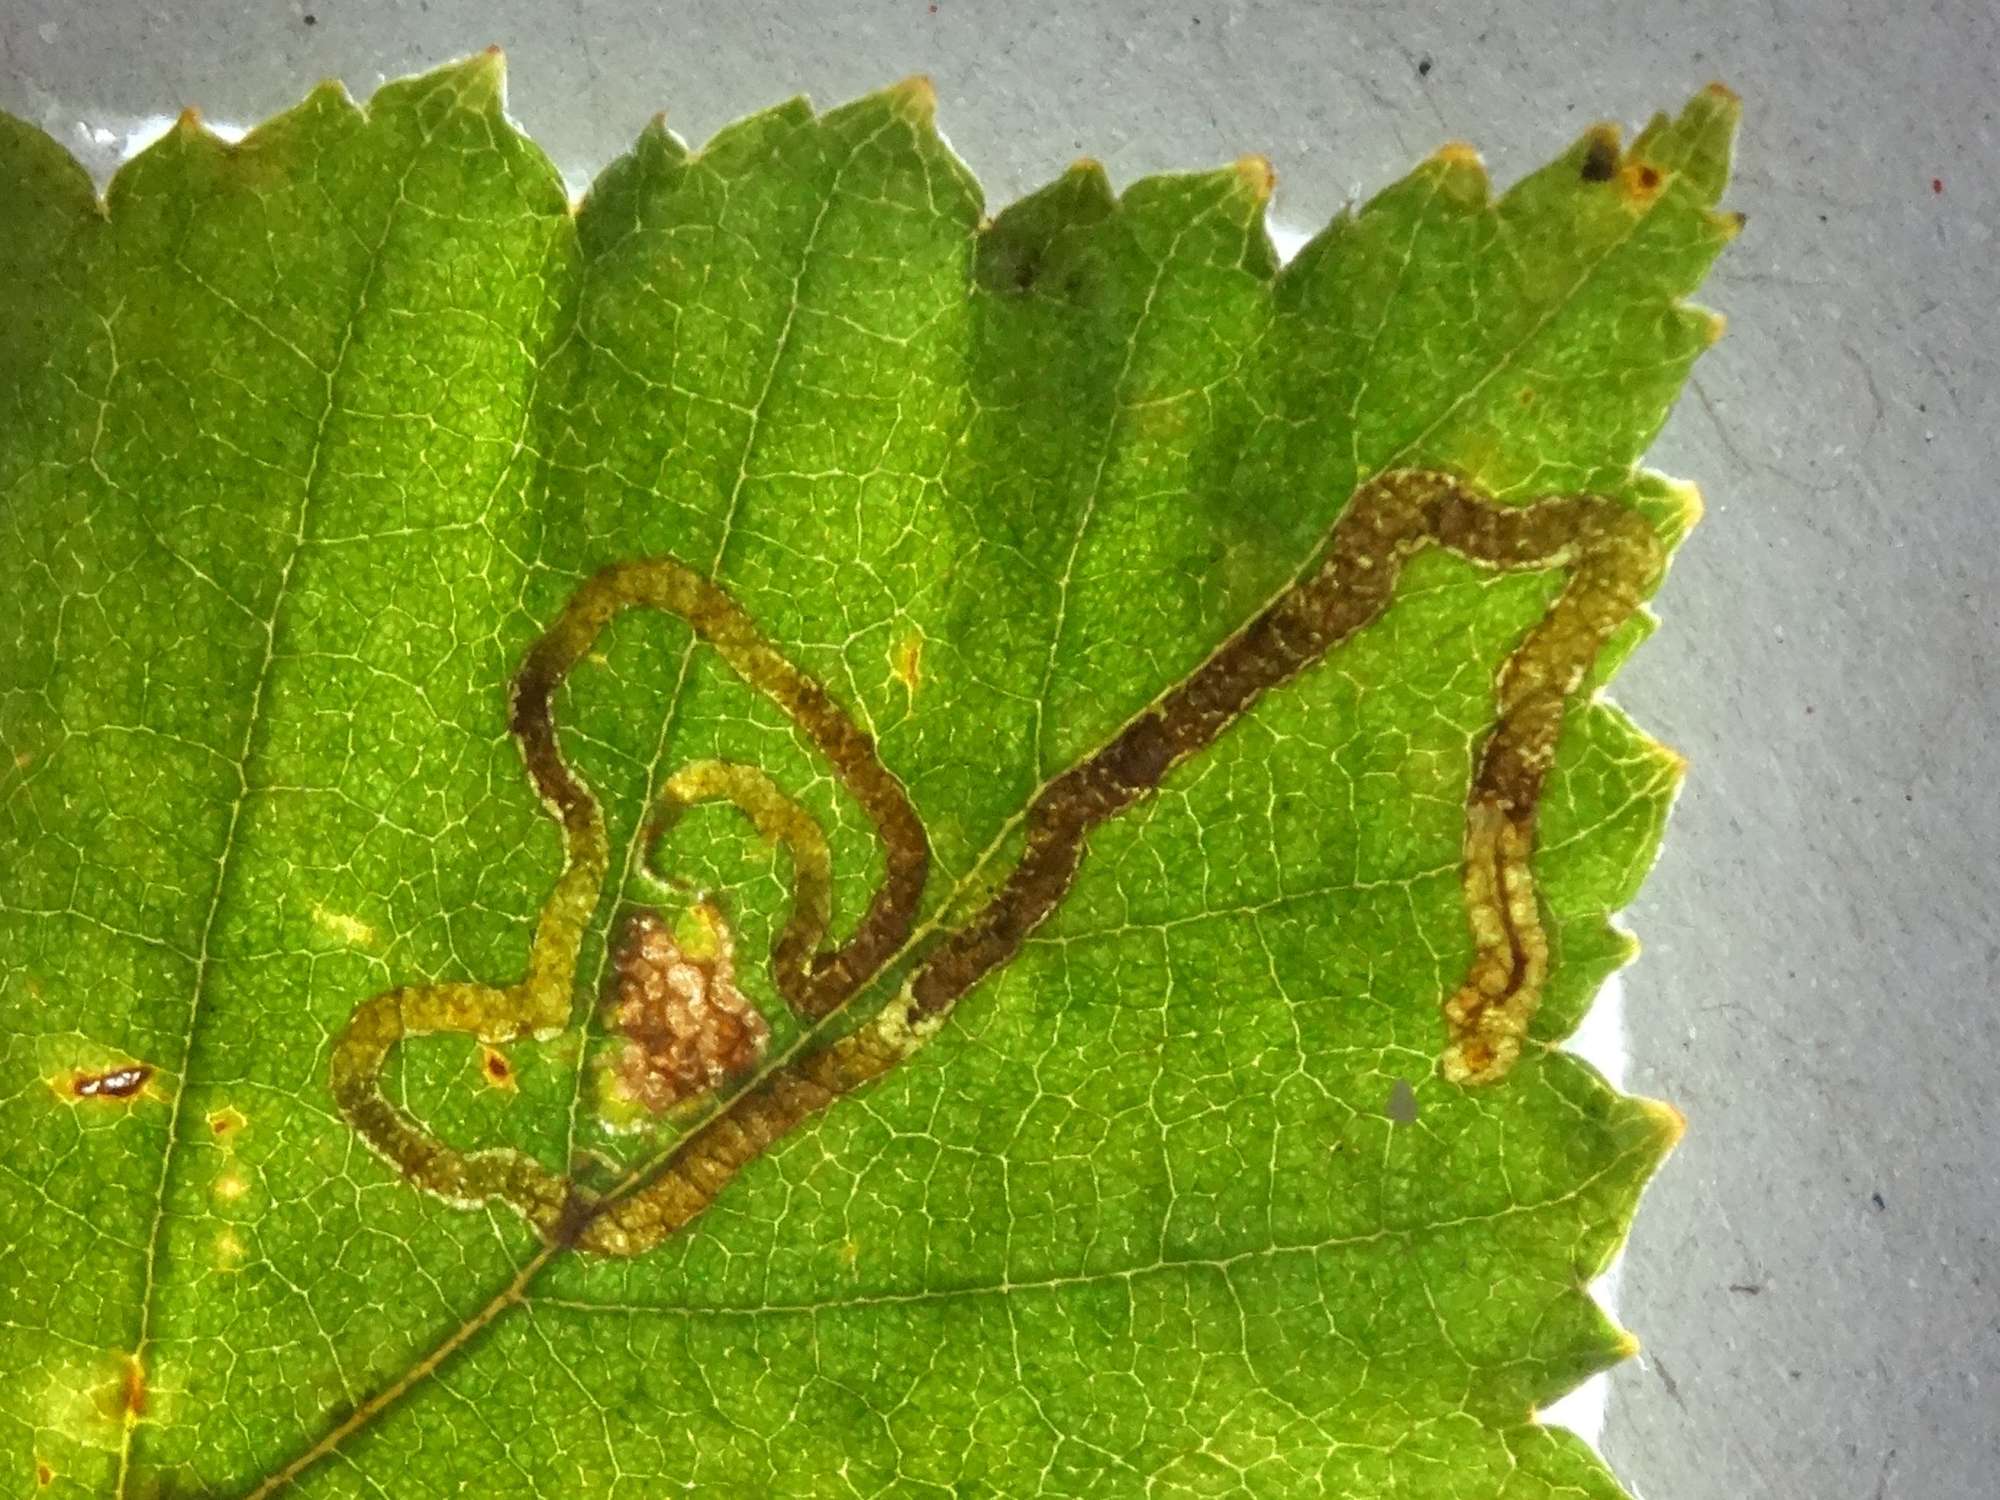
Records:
x=495, y=1069
x=1601, y=160
x=44, y=1475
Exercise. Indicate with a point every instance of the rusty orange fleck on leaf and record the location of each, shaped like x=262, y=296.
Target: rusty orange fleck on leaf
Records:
x=496, y=1070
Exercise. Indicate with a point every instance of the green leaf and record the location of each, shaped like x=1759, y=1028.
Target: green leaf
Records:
x=1137, y=1155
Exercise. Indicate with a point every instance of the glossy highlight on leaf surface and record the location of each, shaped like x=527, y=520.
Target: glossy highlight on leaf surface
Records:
x=766, y=836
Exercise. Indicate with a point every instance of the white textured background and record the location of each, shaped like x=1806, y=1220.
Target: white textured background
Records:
x=1816, y=1274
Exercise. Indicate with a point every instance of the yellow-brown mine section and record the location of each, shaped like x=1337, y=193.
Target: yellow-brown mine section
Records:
x=1611, y=556
x=906, y=660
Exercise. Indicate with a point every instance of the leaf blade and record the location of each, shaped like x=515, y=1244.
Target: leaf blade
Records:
x=501, y=434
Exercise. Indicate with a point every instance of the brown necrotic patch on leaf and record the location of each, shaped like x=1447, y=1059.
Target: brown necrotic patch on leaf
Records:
x=1600, y=156
x=687, y=1028
x=114, y=1083
x=130, y=1400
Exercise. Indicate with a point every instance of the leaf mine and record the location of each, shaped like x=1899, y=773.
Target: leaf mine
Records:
x=686, y=1028
x=124, y=1082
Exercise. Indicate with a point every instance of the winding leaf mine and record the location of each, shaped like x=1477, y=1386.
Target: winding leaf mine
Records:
x=1613, y=560
x=1067, y=813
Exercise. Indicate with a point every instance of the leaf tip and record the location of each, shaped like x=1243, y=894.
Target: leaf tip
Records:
x=485, y=75
x=1087, y=175
x=1684, y=506
x=1258, y=176
x=1697, y=145
x=1459, y=154
x=188, y=122
x=1461, y=172
x=915, y=99
x=1668, y=1123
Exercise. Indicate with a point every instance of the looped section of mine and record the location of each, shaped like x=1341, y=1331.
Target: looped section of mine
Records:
x=813, y=978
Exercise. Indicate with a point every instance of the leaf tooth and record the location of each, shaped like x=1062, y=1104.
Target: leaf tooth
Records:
x=483, y=79
x=1258, y=176
x=1600, y=152
x=914, y=99
x=1668, y=1123
x=657, y=143
x=753, y=138
x=1696, y=144
x=1689, y=497
x=1461, y=175
x=1014, y=246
